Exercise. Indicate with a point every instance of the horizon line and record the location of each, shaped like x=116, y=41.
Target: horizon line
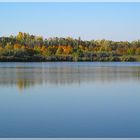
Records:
x=75, y=38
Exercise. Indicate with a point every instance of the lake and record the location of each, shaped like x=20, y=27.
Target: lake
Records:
x=70, y=99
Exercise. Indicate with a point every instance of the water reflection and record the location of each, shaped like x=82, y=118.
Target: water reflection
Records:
x=25, y=75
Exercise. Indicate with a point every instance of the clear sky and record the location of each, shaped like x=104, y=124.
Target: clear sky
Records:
x=113, y=21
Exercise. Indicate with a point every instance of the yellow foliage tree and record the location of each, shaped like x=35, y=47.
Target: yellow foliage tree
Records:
x=8, y=46
x=17, y=46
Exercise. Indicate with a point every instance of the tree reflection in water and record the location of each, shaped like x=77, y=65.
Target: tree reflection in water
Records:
x=59, y=74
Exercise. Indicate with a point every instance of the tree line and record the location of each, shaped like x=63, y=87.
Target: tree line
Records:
x=25, y=47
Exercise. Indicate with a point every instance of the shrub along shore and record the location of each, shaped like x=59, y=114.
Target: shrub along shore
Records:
x=29, y=48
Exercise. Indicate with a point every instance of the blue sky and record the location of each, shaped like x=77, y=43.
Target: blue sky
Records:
x=113, y=21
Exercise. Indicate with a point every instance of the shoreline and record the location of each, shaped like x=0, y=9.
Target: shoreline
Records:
x=69, y=58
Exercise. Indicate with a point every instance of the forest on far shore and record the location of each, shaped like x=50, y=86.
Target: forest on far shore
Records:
x=29, y=48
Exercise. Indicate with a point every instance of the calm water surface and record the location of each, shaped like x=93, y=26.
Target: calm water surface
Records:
x=70, y=99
